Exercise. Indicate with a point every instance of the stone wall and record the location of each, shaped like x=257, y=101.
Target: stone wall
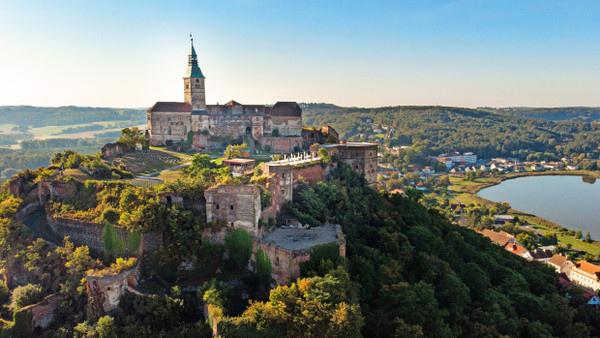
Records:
x=313, y=174
x=27, y=210
x=287, y=253
x=16, y=186
x=110, y=288
x=62, y=190
x=287, y=125
x=90, y=234
x=238, y=206
x=168, y=126
x=41, y=314
x=284, y=145
x=311, y=136
x=115, y=149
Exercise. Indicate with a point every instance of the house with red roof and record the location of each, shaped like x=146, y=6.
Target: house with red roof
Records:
x=586, y=274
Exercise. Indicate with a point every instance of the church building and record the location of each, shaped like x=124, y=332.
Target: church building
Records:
x=274, y=128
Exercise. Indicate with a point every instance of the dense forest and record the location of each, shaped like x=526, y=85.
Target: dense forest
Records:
x=445, y=129
x=29, y=116
x=585, y=114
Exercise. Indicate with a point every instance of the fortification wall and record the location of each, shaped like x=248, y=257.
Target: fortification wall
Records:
x=287, y=125
x=281, y=144
x=28, y=210
x=313, y=174
x=115, y=149
x=110, y=288
x=90, y=234
x=167, y=126
x=239, y=206
x=41, y=314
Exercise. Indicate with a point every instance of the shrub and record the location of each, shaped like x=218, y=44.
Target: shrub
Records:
x=239, y=244
x=111, y=215
x=263, y=268
x=25, y=295
x=4, y=292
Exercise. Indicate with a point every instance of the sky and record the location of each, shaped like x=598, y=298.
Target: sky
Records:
x=350, y=53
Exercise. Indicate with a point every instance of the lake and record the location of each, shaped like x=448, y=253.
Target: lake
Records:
x=565, y=200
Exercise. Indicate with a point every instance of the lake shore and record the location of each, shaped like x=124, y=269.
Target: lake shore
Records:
x=466, y=192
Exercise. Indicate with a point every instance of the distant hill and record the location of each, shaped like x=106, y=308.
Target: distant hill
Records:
x=585, y=114
x=444, y=129
x=61, y=116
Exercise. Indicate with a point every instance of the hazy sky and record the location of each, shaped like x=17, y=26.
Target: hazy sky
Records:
x=362, y=53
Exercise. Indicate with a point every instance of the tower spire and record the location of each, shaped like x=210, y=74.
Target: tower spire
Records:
x=193, y=69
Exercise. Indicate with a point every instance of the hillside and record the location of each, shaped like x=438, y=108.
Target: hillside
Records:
x=445, y=129
x=584, y=114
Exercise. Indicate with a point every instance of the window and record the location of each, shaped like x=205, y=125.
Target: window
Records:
x=197, y=80
x=276, y=260
x=283, y=176
x=217, y=207
x=197, y=86
x=187, y=86
x=231, y=207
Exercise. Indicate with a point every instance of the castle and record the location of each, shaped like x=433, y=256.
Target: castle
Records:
x=276, y=128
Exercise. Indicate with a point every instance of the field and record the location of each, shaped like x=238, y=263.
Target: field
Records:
x=150, y=161
x=58, y=132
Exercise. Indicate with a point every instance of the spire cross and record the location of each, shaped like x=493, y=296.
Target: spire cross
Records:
x=191, y=38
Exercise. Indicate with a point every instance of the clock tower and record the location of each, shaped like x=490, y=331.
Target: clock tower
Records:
x=193, y=82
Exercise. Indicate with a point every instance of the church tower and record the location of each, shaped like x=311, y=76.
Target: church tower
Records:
x=193, y=82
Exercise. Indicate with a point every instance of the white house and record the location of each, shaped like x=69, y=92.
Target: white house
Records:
x=586, y=274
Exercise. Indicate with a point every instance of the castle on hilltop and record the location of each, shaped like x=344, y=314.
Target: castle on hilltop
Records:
x=276, y=128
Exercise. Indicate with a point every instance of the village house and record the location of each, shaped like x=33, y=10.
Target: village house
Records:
x=515, y=248
x=503, y=219
x=499, y=237
x=239, y=166
x=586, y=274
x=540, y=254
x=560, y=263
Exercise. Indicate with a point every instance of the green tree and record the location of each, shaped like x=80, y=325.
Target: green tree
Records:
x=528, y=240
x=588, y=238
x=235, y=150
x=578, y=234
x=311, y=307
x=263, y=268
x=105, y=327
x=133, y=136
x=239, y=244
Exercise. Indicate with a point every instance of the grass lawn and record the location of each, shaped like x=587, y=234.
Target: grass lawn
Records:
x=171, y=175
x=148, y=161
x=78, y=174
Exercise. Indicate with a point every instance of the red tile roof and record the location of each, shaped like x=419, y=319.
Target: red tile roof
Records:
x=515, y=248
x=286, y=109
x=588, y=267
x=171, y=107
